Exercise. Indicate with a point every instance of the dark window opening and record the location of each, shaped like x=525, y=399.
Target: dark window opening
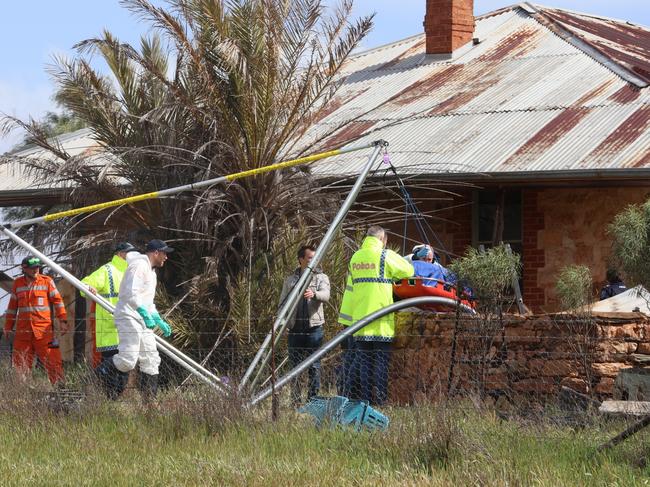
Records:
x=498, y=218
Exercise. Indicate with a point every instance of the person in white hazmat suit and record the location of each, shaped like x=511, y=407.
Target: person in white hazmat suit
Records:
x=135, y=318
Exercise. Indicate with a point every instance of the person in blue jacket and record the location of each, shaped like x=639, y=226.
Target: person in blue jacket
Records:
x=427, y=266
x=614, y=285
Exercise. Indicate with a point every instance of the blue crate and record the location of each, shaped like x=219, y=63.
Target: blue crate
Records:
x=339, y=410
x=362, y=415
x=373, y=419
x=352, y=413
x=325, y=409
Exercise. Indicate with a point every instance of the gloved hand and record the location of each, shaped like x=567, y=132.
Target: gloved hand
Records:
x=162, y=324
x=148, y=320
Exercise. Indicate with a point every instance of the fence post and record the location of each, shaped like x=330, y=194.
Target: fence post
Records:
x=275, y=410
x=79, y=338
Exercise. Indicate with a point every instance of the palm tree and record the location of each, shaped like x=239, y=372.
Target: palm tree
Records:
x=222, y=86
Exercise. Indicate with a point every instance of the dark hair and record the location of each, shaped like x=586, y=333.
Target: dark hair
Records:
x=303, y=250
x=612, y=276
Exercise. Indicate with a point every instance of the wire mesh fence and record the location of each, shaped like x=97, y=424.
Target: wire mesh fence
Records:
x=524, y=366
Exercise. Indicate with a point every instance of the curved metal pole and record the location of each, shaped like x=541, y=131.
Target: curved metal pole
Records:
x=304, y=365
x=176, y=355
x=296, y=293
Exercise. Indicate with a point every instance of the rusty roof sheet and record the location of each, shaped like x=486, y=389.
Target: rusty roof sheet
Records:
x=623, y=42
x=527, y=99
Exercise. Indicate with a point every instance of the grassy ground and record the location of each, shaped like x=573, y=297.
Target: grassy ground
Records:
x=196, y=440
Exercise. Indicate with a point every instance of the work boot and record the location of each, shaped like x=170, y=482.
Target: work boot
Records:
x=112, y=379
x=148, y=387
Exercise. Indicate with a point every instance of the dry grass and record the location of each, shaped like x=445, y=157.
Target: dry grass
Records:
x=194, y=438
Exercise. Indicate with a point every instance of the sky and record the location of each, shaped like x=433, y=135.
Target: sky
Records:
x=35, y=30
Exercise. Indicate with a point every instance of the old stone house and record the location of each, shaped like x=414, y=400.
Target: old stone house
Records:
x=539, y=112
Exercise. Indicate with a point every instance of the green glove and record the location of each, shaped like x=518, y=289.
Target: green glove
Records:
x=148, y=320
x=162, y=324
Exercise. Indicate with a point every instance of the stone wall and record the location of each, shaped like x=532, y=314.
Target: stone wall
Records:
x=538, y=356
x=573, y=231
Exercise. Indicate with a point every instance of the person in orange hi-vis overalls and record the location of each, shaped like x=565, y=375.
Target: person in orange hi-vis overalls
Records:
x=29, y=310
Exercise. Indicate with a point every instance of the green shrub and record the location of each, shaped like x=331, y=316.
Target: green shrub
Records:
x=490, y=273
x=630, y=232
x=574, y=286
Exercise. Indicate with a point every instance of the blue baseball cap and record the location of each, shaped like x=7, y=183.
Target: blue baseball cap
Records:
x=158, y=245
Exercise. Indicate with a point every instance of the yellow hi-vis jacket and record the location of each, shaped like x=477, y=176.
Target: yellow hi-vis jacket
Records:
x=106, y=280
x=372, y=271
x=345, y=312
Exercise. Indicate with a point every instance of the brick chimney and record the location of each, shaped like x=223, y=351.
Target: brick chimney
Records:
x=448, y=25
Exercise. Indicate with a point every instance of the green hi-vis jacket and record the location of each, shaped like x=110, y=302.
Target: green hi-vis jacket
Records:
x=369, y=288
x=345, y=313
x=106, y=280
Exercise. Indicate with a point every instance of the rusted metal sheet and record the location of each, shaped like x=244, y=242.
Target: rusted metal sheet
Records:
x=526, y=99
x=373, y=58
x=549, y=134
x=427, y=84
x=462, y=98
x=627, y=94
x=624, y=42
x=416, y=50
x=337, y=102
x=348, y=133
x=596, y=92
x=518, y=44
x=623, y=136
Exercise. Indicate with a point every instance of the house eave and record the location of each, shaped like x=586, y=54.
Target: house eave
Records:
x=32, y=197
x=603, y=177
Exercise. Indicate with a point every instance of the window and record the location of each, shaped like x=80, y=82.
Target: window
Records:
x=489, y=206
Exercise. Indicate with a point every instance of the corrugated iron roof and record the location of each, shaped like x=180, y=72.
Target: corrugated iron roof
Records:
x=545, y=91
x=16, y=182
x=14, y=174
x=625, y=43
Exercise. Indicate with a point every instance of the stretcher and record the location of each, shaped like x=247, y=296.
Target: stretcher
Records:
x=414, y=287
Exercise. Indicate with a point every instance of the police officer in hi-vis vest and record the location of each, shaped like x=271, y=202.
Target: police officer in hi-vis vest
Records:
x=343, y=379
x=372, y=270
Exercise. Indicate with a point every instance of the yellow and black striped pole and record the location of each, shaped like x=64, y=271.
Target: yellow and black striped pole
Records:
x=187, y=187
